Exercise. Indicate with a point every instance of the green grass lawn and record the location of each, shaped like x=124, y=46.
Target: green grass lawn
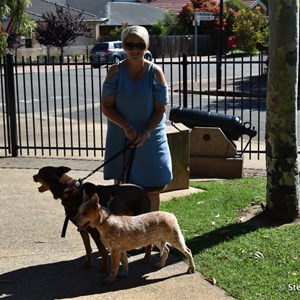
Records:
x=247, y=261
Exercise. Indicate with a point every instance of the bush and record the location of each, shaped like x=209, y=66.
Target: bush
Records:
x=251, y=29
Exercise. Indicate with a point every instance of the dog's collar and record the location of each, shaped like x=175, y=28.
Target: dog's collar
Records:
x=65, y=195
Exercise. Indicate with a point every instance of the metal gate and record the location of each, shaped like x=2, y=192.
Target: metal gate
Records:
x=53, y=109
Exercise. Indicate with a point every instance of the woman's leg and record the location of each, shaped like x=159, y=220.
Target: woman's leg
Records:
x=154, y=197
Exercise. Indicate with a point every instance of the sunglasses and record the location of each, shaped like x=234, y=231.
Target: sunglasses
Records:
x=133, y=46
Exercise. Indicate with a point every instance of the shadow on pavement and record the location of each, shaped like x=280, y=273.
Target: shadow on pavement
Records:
x=66, y=279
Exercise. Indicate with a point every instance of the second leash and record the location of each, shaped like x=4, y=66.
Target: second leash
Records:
x=124, y=149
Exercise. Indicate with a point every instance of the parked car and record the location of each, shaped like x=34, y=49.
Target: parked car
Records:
x=110, y=52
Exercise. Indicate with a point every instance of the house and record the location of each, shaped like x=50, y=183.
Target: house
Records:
x=174, y=5
x=111, y=14
x=101, y=15
x=97, y=7
x=131, y=13
x=254, y=3
x=105, y=15
x=38, y=7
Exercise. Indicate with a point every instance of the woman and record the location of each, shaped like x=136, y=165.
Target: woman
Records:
x=134, y=97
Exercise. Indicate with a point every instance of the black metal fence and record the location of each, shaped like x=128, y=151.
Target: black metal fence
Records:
x=54, y=109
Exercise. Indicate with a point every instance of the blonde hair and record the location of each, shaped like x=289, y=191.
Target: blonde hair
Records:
x=137, y=30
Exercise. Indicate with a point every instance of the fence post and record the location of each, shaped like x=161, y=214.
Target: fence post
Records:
x=11, y=104
x=184, y=78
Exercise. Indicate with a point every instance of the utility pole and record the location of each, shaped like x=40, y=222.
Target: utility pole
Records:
x=220, y=47
x=196, y=23
x=198, y=17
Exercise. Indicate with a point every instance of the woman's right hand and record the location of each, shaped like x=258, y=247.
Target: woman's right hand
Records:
x=130, y=133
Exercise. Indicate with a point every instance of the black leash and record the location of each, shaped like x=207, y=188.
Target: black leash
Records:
x=127, y=167
x=132, y=154
x=124, y=149
x=64, y=229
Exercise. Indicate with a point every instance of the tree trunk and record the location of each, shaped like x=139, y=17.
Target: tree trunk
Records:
x=281, y=130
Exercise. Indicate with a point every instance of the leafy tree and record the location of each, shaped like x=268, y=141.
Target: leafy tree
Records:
x=251, y=29
x=3, y=42
x=118, y=30
x=183, y=22
x=157, y=28
x=61, y=28
x=14, y=41
x=22, y=25
x=186, y=17
x=281, y=120
x=168, y=26
x=235, y=4
x=231, y=9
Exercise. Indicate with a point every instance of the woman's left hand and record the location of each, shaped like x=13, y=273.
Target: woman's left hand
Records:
x=139, y=140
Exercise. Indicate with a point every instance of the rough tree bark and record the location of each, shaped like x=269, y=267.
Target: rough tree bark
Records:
x=281, y=130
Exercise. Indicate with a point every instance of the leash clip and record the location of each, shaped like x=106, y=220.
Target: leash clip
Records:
x=78, y=183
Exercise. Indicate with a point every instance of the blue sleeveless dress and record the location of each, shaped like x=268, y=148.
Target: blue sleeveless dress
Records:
x=134, y=100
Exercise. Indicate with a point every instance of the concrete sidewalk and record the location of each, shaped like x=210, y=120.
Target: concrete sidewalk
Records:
x=36, y=263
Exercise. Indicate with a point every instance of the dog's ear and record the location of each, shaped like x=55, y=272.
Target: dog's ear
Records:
x=95, y=200
x=64, y=169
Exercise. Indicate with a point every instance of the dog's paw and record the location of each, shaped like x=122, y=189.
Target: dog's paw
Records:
x=190, y=270
x=145, y=259
x=158, y=265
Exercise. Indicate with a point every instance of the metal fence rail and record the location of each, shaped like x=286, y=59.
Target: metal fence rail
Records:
x=54, y=109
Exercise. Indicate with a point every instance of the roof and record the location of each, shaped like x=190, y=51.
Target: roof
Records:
x=254, y=3
x=96, y=7
x=39, y=7
x=119, y=13
x=175, y=5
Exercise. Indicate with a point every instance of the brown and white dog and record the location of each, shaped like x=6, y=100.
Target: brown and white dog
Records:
x=128, y=199
x=123, y=233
